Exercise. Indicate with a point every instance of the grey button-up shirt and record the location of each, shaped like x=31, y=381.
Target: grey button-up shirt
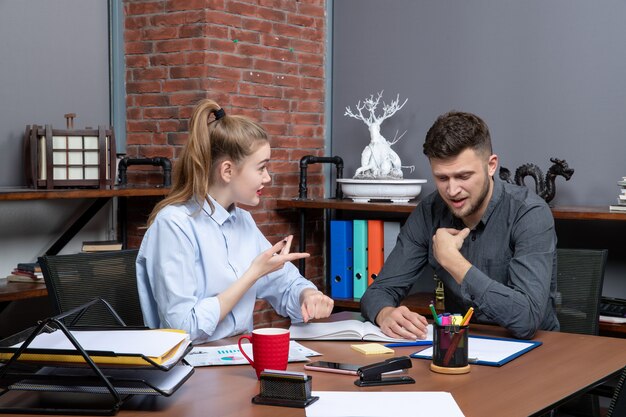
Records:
x=512, y=281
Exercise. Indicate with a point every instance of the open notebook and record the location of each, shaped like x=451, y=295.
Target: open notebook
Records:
x=344, y=330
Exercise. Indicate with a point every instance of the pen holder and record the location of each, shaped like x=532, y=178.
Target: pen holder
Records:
x=450, y=353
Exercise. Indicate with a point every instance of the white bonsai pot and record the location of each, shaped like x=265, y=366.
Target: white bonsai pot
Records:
x=398, y=191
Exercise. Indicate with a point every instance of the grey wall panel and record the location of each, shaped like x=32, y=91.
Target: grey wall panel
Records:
x=547, y=77
x=54, y=59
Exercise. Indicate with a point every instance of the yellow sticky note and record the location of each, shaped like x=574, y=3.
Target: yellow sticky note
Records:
x=371, y=348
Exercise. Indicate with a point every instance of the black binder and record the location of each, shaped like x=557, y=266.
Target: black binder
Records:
x=94, y=389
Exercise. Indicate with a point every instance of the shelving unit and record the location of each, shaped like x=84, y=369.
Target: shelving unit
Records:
x=418, y=302
x=101, y=196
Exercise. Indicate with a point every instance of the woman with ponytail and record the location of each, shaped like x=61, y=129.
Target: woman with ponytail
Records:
x=203, y=262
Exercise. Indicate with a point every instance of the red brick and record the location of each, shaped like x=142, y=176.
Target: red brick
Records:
x=161, y=112
x=137, y=61
x=138, y=48
x=311, y=10
x=149, y=74
x=235, y=61
x=174, y=45
x=134, y=8
x=135, y=22
x=300, y=45
x=143, y=87
x=306, y=21
x=244, y=101
x=260, y=90
x=287, y=5
x=276, y=41
x=138, y=138
x=256, y=25
x=141, y=126
x=222, y=18
x=192, y=31
x=272, y=15
x=275, y=129
x=242, y=9
x=185, y=5
x=148, y=100
x=186, y=98
x=257, y=77
x=275, y=104
x=167, y=126
x=223, y=86
x=181, y=85
x=290, y=31
x=244, y=36
x=276, y=117
x=310, y=59
x=161, y=33
x=288, y=80
x=190, y=71
x=222, y=45
x=215, y=71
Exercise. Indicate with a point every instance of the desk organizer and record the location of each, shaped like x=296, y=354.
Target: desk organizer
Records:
x=49, y=386
x=65, y=158
x=285, y=389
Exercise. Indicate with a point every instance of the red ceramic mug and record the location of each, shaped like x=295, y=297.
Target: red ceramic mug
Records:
x=270, y=349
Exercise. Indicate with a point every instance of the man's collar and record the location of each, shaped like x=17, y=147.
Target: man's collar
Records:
x=496, y=196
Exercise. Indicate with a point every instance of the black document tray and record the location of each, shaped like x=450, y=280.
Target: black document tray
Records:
x=79, y=388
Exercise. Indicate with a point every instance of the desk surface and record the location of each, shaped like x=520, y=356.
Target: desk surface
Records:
x=12, y=291
x=564, y=365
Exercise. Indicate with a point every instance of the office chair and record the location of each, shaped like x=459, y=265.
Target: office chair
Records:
x=73, y=280
x=618, y=402
x=580, y=275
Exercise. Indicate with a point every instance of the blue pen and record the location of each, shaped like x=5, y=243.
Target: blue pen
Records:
x=416, y=343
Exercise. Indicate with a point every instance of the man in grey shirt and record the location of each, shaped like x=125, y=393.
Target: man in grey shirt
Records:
x=492, y=243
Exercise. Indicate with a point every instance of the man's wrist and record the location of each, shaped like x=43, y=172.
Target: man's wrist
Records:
x=380, y=317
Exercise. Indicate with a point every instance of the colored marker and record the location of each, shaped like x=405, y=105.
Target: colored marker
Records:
x=468, y=316
x=435, y=318
x=446, y=319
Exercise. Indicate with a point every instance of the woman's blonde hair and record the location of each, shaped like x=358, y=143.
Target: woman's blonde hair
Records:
x=210, y=141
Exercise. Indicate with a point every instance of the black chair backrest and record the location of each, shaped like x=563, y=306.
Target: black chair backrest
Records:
x=580, y=275
x=73, y=280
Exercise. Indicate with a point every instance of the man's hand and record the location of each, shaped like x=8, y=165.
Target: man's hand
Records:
x=315, y=305
x=400, y=322
x=447, y=245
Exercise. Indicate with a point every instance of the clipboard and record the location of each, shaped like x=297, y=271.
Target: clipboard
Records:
x=490, y=351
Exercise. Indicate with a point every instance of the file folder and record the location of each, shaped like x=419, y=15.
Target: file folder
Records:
x=341, y=258
x=375, y=249
x=360, y=257
x=391, y=231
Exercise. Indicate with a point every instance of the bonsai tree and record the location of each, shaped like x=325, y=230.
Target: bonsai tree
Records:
x=378, y=160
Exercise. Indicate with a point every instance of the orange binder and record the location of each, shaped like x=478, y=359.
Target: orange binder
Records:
x=375, y=248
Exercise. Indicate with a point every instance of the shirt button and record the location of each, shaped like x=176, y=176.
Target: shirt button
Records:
x=472, y=297
x=473, y=237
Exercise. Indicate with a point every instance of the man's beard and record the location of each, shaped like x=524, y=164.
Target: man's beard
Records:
x=472, y=207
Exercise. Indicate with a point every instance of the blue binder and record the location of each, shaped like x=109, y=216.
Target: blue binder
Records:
x=360, y=258
x=341, y=258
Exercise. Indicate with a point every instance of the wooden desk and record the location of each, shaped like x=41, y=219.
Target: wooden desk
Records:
x=564, y=365
x=12, y=291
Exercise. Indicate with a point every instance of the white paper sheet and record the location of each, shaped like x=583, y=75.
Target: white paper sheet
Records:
x=383, y=404
x=231, y=355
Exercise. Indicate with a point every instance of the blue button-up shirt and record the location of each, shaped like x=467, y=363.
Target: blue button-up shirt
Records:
x=188, y=257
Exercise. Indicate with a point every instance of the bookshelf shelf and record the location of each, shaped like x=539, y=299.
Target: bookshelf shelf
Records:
x=559, y=212
x=22, y=194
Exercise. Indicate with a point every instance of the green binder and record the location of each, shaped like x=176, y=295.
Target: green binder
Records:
x=360, y=257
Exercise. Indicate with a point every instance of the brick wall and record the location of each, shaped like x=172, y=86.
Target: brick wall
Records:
x=259, y=58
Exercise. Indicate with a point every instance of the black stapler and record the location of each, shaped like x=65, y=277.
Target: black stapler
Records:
x=372, y=375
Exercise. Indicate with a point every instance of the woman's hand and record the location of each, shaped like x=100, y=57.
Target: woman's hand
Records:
x=275, y=257
x=315, y=305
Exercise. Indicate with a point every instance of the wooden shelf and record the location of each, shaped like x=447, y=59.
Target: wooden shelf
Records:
x=23, y=194
x=560, y=212
x=12, y=291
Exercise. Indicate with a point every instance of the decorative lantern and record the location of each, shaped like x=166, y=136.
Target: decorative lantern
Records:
x=56, y=158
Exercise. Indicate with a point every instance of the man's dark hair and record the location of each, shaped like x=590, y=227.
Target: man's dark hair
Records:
x=454, y=132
